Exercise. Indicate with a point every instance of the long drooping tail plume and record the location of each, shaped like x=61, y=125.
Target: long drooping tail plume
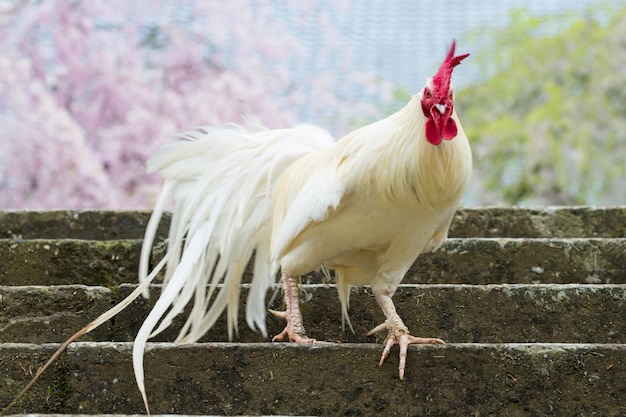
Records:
x=222, y=181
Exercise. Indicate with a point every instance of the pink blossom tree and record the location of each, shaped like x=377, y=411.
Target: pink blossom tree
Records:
x=89, y=89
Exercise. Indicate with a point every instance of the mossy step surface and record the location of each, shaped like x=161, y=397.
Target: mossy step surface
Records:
x=463, y=261
x=541, y=222
x=581, y=221
x=456, y=313
x=69, y=261
x=76, y=224
x=322, y=379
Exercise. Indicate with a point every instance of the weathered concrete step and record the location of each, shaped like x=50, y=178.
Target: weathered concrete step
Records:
x=58, y=262
x=456, y=313
x=97, y=415
x=465, y=261
x=469, y=222
x=323, y=379
x=545, y=222
x=93, y=415
x=71, y=224
x=496, y=261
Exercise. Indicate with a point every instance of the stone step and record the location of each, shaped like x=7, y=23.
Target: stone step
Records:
x=463, y=261
x=535, y=326
x=70, y=224
x=548, y=222
x=322, y=379
x=469, y=222
x=69, y=261
x=551, y=313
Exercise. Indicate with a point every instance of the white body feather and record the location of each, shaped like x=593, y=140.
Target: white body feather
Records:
x=368, y=206
x=365, y=206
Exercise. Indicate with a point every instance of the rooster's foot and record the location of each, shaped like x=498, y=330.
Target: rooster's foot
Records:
x=398, y=333
x=291, y=332
x=294, y=330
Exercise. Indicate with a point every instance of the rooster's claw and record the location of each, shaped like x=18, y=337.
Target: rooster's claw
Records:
x=289, y=333
x=401, y=337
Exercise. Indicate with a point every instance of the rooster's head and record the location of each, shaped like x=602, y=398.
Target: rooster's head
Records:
x=438, y=101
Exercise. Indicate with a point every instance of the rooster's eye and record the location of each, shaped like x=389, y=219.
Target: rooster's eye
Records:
x=427, y=93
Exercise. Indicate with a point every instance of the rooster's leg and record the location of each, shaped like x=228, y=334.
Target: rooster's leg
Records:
x=294, y=330
x=398, y=333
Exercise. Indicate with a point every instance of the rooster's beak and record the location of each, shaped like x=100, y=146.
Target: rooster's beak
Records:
x=441, y=108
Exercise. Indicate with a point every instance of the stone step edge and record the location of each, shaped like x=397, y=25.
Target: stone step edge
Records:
x=450, y=240
x=127, y=347
x=95, y=289
x=110, y=415
x=113, y=415
x=493, y=220
x=470, y=261
x=461, y=313
x=284, y=378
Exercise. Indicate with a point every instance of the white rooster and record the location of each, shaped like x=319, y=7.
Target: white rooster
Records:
x=365, y=206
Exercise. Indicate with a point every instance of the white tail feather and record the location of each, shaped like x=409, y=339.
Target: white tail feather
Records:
x=222, y=182
x=150, y=233
x=169, y=293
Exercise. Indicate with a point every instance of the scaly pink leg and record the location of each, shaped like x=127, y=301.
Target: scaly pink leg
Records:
x=294, y=330
x=398, y=332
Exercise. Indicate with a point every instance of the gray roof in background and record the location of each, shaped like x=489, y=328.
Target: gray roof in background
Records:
x=403, y=41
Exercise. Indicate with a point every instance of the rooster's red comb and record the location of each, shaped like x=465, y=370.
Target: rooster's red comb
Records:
x=441, y=80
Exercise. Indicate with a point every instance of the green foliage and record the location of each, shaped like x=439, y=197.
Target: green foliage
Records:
x=548, y=120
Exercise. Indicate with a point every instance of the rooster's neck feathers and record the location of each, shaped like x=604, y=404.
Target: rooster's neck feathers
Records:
x=435, y=174
x=407, y=170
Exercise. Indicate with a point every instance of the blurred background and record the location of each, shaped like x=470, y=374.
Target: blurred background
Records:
x=90, y=89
